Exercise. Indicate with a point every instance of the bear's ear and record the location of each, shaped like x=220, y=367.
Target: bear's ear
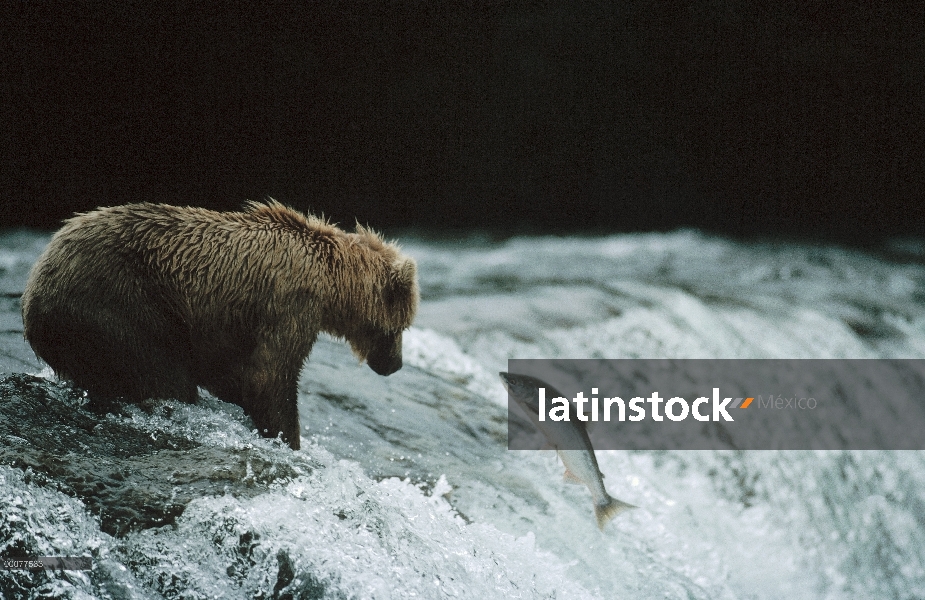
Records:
x=401, y=293
x=404, y=271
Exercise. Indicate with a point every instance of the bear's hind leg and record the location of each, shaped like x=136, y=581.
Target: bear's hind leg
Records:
x=114, y=357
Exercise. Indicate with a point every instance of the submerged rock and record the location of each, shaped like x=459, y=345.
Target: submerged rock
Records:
x=130, y=477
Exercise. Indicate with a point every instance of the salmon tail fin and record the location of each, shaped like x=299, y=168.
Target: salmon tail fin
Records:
x=569, y=477
x=606, y=512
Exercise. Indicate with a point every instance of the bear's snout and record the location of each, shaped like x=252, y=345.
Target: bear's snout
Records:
x=386, y=367
x=385, y=357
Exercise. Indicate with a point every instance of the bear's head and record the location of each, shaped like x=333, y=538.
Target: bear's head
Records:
x=379, y=342
x=367, y=288
x=375, y=297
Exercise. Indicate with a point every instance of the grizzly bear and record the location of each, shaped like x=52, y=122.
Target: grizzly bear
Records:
x=150, y=301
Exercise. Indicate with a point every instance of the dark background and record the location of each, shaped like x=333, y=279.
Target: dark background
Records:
x=769, y=118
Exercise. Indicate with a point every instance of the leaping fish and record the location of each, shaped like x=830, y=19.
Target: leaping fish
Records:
x=580, y=465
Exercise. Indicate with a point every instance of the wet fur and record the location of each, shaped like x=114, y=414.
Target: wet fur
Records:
x=150, y=301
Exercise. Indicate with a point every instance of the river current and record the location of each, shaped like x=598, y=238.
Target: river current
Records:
x=404, y=487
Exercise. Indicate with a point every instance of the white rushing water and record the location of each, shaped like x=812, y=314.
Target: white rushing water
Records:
x=404, y=489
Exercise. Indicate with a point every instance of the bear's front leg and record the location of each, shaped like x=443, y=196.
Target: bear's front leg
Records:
x=270, y=395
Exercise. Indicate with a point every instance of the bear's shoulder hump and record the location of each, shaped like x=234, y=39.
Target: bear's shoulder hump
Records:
x=276, y=213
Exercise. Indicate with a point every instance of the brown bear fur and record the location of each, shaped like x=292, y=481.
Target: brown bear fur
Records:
x=150, y=301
